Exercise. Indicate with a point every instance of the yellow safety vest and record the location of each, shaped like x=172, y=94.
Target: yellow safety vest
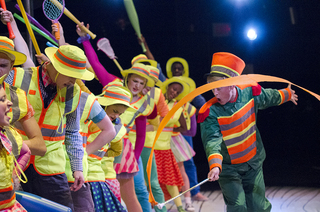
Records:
x=18, y=110
x=107, y=167
x=51, y=125
x=153, y=97
x=163, y=142
x=142, y=106
x=7, y=194
x=95, y=170
x=86, y=103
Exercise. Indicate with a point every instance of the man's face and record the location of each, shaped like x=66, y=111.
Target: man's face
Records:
x=5, y=64
x=223, y=94
x=177, y=69
x=65, y=81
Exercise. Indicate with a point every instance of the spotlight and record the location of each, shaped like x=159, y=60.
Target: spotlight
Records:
x=252, y=34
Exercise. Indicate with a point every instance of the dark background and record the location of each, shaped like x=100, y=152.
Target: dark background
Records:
x=194, y=30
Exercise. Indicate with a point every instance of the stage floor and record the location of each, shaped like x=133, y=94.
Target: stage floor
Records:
x=283, y=199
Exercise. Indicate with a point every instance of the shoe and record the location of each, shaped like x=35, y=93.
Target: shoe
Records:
x=189, y=207
x=199, y=197
x=180, y=209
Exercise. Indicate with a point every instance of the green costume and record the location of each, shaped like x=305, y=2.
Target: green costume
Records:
x=232, y=142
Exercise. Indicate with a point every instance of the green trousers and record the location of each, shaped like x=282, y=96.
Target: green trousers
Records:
x=155, y=186
x=243, y=188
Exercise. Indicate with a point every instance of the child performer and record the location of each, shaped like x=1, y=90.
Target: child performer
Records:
x=157, y=99
x=168, y=171
x=230, y=136
x=116, y=100
x=135, y=79
x=8, y=201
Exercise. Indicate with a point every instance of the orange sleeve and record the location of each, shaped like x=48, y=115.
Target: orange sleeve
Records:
x=162, y=106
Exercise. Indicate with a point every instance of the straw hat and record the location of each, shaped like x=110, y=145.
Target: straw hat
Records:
x=112, y=95
x=180, y=80
x=141, y=70
x=154, y=74
x=142, y=58
x=180, y=60
x=7, y=47
x=226, y=64
x=69, y=60
x=191, y=84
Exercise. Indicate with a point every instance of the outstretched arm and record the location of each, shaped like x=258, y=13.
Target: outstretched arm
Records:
x=19, y=43
x=62, y=40
x=103, y=75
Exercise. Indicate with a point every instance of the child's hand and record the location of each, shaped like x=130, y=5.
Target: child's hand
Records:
x=80, y=31
x=294, y=97
x=6, y=16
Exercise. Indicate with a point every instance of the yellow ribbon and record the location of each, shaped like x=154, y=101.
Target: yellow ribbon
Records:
x=250, y=79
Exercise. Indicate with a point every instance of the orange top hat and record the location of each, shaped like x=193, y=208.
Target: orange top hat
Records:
x=226, y=64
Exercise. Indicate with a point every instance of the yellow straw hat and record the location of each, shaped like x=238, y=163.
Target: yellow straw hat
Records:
x=180, y=60
x=180, y=80
x=154, y=74
x=7, y=47
x=112, y=95
x=142, y=58
x=69, y=60
x=141, y=70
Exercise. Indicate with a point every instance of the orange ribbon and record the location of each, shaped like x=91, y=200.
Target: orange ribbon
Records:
x=250, y=79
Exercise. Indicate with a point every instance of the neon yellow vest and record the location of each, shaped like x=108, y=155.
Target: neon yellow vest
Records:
x=86, y=102
x=163, y=142
x=51, y=125
x=7, y=194
x=107, y=167
x=142, y=106
x=95, y=171
x=153, y=97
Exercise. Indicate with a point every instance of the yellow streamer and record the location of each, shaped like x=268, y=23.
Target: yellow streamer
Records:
x=250, y=79
x=26, y=20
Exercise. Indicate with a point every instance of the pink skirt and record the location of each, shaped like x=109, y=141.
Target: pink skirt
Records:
x=181, y=149
x=17, y=207
x=126, y=165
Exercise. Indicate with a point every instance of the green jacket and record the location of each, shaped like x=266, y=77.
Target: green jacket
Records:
x=229, y=133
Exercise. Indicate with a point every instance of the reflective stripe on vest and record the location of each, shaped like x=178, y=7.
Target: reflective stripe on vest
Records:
x=85, y=104
x=53, y=162
x=239, y=133
x=95, y=171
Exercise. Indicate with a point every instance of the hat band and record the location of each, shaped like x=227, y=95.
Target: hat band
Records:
x=6, y=45
x=140, y=70
x=138, y=58
x=77, y=64
x=224, y=70
x=154, y=73
x=113, y=95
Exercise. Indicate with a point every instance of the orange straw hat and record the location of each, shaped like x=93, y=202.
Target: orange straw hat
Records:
x=7, y=47
x=226, y=64
x=180, y=60
x=141, y=70
x=142, y=58
x=70, y=61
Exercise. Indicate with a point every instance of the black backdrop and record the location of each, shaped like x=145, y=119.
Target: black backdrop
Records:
x=185, y=29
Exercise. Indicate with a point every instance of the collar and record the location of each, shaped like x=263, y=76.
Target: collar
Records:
x=45, y=76
x=6, y=142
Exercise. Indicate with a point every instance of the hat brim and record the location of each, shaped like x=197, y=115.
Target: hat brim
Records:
x=182, y=61
x=20, y=58
x=150, y=81
x=65, y=70
x=152, y=62
x=185, y=86
x=107, y=102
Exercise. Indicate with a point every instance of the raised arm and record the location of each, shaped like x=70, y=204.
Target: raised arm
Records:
x=103, y=75
x=19, y=42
